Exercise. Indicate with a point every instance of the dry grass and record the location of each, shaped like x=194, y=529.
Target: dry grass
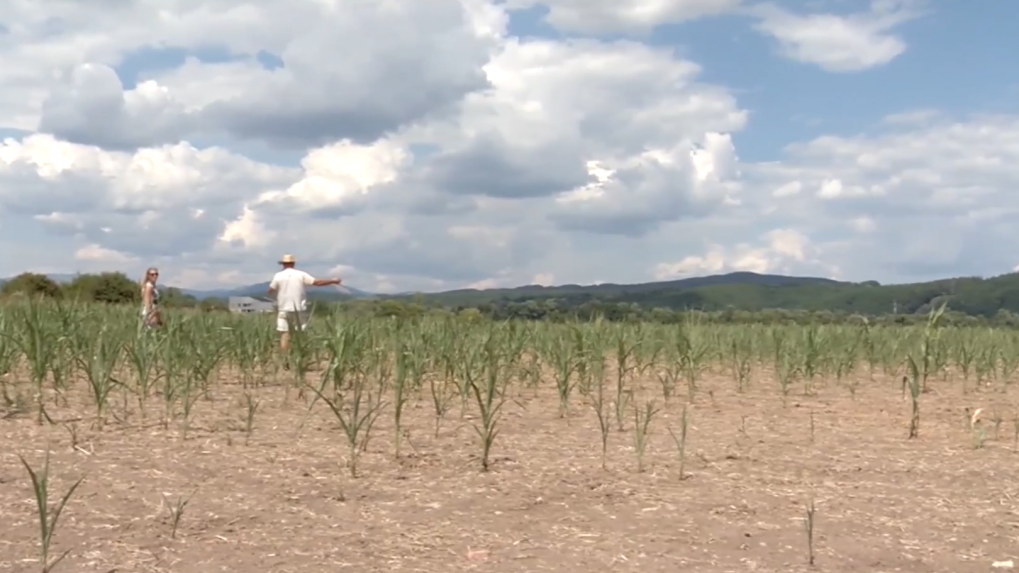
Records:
x=285, y=503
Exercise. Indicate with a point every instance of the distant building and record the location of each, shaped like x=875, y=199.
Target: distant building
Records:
x=250, y=304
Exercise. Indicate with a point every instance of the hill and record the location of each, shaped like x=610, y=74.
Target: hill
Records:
x=259, y=289
x=733, y=291
x=974, y=296
x=612, y=290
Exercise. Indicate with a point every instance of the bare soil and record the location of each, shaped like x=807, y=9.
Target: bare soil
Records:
x=285, y=502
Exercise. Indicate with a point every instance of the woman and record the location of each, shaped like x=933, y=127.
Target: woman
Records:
x=151, y=316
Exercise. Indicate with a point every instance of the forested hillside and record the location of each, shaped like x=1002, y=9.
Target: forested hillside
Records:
x=734, y=292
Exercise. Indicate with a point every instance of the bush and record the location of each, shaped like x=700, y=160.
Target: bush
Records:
x=109, y=288
x=31, y=285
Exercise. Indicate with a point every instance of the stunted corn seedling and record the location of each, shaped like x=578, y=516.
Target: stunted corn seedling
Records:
x=485, y=372
x=176, y=511
x=599, y=401
x=48, y=516
x=680, y=441
x=808, y=526
x=402, y=356
x=624, y=348
x=741, y=355
x=352, y=401
x=250, y=409
x=642, y=430
x=98, y=362
x=560, y=353
x=919, y=368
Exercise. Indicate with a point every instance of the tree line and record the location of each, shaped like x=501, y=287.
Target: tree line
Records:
x=106, y=288
x=552, y=310
x=970, y=301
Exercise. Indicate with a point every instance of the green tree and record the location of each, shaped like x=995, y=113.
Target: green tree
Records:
x=110, y=288
x=32, y=285
x=213, y=305
x=175, y=298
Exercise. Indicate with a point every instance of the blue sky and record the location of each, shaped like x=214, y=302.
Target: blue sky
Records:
x=953, y=65
x=949, y=68
x=503, y=142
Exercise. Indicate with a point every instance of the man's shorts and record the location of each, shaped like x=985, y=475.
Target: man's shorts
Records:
x=284, y=319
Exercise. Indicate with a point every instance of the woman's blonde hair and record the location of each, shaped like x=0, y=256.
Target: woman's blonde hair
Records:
x=145, y=277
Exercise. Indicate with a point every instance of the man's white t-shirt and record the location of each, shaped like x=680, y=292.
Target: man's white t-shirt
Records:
x=289, y=285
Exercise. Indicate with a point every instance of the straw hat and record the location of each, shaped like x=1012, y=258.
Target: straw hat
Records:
x=287, y=259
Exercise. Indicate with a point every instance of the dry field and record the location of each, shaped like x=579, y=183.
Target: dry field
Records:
x=282, y=500
x=230, y=469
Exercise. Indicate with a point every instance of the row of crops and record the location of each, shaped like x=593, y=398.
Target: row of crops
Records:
x=360, y=367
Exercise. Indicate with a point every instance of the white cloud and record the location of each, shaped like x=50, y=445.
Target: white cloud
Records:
x=658, y=186
x=914, y=201
x=787, y=189
x=342, y=174
x=543, y=279
x=153, y=202
x=417, y=145
x=99, y=254
x=40, y=172
x=93, y=107
x=780, y=251
x=863, y=224
x=248, y=230
x=356, y=71
x=838, y=43
x=623, y=16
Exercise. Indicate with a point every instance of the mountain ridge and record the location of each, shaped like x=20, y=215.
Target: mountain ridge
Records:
x=739, y=277
x=743, y=291
x=259, y=289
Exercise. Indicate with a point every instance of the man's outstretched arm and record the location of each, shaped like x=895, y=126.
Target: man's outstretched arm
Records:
x=321, y=282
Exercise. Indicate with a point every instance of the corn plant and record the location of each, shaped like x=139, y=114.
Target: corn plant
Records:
x=596, y=372
x=919, y=368
x=560, y=353
x=642, y=430
x=251, y=405
x=356, y=409
x=693, y=347
x=625, y=348
x=142, y=355
x=48, y=516
x=741, y=360
x=483, y=372
x=98, y=362
x=176, y=510
x=400, y=394
x=680, y=441
x=39, y=347
x=808, y=526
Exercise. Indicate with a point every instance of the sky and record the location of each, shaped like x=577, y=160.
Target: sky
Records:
x=432, y=145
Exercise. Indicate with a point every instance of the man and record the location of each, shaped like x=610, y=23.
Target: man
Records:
x=291, y=299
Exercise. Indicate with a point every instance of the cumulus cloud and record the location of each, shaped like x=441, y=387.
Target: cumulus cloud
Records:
x=156, y=201
x=621, y=135
x=40, y=172
x=338, y=178
x=780, y=251
x=910, y=202
x=839, y=43
x=655, y=187
x=435, y=150
x=356, y=71
x=623, y=16
x=92, y=108
x=93, y=252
